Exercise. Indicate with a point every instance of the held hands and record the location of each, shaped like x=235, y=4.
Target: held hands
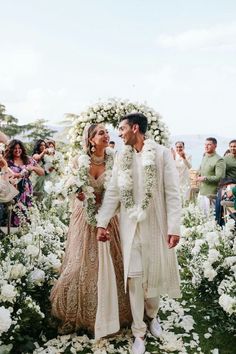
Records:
x=173, y=241
x=102, y=234
x=80, y=196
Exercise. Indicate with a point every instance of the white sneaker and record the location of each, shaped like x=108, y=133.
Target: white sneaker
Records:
x=138, y=346
x=155, y=327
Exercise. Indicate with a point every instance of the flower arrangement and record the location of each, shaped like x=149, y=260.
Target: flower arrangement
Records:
x=210, y=255
x=29, y=263
x=109, y=113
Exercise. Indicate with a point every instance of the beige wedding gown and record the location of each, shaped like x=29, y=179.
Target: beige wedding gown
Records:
x=74, y=296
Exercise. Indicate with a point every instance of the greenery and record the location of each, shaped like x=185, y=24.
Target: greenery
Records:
x=36, y=130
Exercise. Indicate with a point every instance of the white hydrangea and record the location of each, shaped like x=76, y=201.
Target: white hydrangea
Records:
x=8, y=293
x=37, y=276
x=17, y=271
x=5, y=319
x=228, y=303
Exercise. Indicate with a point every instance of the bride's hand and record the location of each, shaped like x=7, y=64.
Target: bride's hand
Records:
x=102, y=234
x=80, y=196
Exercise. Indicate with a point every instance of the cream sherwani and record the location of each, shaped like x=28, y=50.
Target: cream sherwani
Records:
x=159, y=265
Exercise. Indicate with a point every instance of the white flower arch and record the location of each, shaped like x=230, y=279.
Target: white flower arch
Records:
x=110, y=112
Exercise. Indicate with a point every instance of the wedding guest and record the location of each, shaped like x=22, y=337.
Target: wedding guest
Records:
x=38, y=155
x=112, y=144
x=183, y=165
x=21, y=166
x=7, y=190
x=144, y=188
x=54, y=161
x=212, y=170
x=83, y=296
x=230, y=161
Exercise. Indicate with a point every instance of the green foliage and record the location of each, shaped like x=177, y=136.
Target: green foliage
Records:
x=9, y=124
x=38, y=130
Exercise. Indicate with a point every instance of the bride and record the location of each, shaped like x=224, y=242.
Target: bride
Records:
x=77, y=298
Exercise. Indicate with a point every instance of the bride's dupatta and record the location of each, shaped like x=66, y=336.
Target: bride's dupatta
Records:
x=107, y=316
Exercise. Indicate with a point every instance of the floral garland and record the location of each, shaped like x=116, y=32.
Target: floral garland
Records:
x=125, y=180
x=110, y=112
x=84, y=162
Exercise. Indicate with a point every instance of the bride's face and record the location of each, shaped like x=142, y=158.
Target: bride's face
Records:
x=101, y=138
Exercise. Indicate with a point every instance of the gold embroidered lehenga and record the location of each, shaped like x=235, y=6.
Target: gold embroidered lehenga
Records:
x=74, y=296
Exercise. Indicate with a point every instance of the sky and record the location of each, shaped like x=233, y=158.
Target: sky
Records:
x=177, y=56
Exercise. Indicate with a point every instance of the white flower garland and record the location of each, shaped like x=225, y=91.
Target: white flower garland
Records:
x=110, y=112
x=125, y=179
x=83, y=176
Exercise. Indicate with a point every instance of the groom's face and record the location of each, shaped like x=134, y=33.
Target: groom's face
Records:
x=127, y=132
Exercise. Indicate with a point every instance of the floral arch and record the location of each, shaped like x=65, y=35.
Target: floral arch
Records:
x=110, y=112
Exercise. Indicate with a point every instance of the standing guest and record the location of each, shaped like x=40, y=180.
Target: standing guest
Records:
x=230, y=161
x=21, y=166
x=183, y=165
x=54, y=161
x=112, y=144
x=212, y=170
x=144, y=186
x=7, y=190
x=83, y=297
x=38, y=182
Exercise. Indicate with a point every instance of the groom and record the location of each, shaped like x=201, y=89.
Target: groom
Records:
x=144, y=185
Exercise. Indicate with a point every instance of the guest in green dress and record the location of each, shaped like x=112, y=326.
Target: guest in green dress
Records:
x=38, y=182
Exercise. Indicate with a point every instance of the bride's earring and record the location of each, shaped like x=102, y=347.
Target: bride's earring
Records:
x=93, y=148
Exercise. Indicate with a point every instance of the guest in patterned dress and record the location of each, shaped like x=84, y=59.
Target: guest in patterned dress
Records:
x=21, y=166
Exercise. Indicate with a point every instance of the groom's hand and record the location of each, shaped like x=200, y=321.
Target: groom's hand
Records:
x=102, y=234
x=173, y=241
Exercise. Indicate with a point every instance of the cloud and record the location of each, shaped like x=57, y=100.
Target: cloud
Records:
x=220, y=37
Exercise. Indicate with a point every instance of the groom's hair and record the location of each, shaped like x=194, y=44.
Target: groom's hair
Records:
x=136, y=118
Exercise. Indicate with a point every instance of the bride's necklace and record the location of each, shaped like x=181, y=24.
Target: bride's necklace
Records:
x=85, y=162
x=98, y=160
x=125, y=179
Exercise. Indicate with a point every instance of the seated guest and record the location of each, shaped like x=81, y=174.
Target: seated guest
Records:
x=21, y=166
x=224, y=194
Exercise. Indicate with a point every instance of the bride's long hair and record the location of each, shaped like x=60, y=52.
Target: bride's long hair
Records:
x=89, y=132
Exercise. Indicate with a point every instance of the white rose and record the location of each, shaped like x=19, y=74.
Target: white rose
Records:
x=37, y=276
x=17, y=271
x=32, y=250
x=8, y=292
x=5, y=319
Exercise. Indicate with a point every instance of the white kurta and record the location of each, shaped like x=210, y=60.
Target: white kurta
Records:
x=163, y=218
x=183, y=166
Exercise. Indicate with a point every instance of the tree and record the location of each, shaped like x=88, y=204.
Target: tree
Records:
x=9, y=124
x=37, y=130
